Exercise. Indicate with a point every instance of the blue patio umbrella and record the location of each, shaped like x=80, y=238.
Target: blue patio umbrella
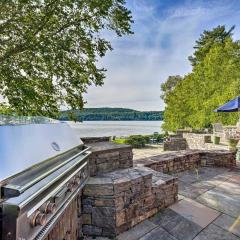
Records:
x=231, y=106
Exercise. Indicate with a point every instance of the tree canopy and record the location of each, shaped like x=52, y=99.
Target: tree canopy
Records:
x=207, y=40
x=169, y=85
x=215, y=79
x=49, y=50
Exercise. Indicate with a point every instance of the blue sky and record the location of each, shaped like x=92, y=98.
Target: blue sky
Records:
x=164, y=35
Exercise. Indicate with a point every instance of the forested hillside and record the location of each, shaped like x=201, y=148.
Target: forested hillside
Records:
x=111, y=114
x=214, y=80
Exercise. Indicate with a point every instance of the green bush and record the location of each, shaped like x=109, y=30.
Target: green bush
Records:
x=160, y=137
x=147, y=138
x=137, y=141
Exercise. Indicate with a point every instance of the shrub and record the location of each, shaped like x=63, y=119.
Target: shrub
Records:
x=137, y=141
x=147, y=138
x=160, y=137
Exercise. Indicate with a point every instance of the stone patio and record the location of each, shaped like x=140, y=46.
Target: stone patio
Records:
x=208, y=209
x=148, y=151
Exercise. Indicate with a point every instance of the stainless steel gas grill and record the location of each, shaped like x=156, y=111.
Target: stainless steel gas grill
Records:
x=43, y=167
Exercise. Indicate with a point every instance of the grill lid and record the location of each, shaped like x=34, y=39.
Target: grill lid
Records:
x=24, y=145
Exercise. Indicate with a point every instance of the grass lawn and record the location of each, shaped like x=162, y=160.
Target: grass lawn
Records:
x=120, y=140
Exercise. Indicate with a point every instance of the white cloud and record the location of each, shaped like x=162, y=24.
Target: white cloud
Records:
x=162, y=42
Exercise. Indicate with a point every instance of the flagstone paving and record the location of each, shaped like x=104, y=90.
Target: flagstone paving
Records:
x=208, y=209
x=229, y=223
x=213, y=232
x=195, y=212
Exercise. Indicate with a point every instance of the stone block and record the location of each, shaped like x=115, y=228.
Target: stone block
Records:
x=121, y=185
x=92, y=230
x=87, y=208
x=107, y=202
x=87, y=219
x=104, y=217
x=120, y=218
x=119, y=203
x=98, y=190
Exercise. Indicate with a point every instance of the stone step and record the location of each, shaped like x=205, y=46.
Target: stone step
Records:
x=114, y=202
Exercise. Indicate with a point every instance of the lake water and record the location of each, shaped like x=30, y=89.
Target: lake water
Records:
x=115, y=128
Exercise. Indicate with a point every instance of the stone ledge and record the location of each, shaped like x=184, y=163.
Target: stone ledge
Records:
x=171, y=162
x=89, y=140
x=114, y=202
x=106, y=146
x=188, y=159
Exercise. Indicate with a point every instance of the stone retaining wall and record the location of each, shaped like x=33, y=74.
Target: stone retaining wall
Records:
x=188, y=159
x=109, y=156
x=201, y=141
x=171, y=162
x=115, y=202
x=175, y=144
x=219, y=158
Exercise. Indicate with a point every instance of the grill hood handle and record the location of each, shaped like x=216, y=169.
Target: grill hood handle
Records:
x=12, y=190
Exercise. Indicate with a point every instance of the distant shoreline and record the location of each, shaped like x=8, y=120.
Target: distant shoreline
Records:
x=111, y=114
x=113, y=121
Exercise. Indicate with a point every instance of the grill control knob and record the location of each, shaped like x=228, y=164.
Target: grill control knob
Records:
x=77, y=180
x=48, y=207
x=38, y=219
x=83, y=175
x=51, y=208
x=70, y=186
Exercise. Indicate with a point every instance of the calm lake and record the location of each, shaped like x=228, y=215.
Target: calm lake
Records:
x=115, y=128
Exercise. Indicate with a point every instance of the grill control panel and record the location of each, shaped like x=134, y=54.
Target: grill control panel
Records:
x=42, y=216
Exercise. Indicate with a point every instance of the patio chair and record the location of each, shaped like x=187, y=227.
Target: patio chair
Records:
x=153, y=139
x=223, y=132
x=218, y=130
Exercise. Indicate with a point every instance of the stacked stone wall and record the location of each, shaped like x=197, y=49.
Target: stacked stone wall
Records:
x=171, y=162
x=175, y=144
x=107, y=157
x=115, y=202
x=189, y=159
x=218, y=158
x=202, y=141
